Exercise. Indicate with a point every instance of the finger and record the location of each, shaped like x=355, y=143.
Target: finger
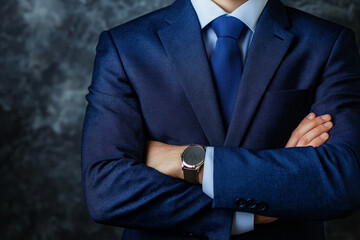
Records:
x=305, y=126
x=309, y=123
x=295, y=138
x=314, y=133
x=317, y=142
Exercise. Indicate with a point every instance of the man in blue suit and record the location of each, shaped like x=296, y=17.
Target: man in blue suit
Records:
x=179, y=76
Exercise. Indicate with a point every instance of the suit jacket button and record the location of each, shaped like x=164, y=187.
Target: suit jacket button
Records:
x=251, y=203
x=262, y=206
x=241, y=203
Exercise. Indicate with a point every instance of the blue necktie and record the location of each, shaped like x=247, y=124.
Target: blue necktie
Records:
x=226, y=62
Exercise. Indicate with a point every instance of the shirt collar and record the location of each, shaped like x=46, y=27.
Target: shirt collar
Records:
x=249, y=12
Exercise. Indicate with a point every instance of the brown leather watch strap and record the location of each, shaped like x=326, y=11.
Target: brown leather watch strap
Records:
x=191, y=176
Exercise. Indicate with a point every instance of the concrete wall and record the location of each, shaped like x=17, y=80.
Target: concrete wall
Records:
x=46, y=57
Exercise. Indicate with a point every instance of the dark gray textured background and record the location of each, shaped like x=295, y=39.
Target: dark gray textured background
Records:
x=47, y=51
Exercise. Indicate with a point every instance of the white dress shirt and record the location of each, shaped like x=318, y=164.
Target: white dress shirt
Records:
x=249, y=13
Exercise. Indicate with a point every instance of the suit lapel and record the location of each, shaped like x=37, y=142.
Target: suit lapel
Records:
x=184, y=46
x=269, y=45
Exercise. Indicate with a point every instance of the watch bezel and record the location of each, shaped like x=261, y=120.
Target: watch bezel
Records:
x=196, y=166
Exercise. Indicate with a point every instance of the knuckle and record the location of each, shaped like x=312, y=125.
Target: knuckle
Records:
x=296, y=134
x=320, y=129
x=299, y=131
x=303, y=140
x=318, y=120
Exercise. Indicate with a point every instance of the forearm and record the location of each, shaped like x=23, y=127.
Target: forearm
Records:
x=127, y=194
x=303, y=183
x=299, y=182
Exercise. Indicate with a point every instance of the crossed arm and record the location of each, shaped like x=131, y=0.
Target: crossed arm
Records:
x=312, y=131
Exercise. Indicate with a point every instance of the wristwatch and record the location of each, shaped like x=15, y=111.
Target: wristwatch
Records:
x=192, y=159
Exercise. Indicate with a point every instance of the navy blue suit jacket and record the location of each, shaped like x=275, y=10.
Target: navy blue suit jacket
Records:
x=152, y=81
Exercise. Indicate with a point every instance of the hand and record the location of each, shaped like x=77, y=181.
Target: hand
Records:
x=312, y=131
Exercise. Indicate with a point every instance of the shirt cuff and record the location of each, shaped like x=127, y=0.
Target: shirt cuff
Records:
x=208, y=176
x=242, y=222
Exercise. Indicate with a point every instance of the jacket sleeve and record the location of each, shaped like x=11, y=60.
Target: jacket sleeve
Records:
x=303, y=182
x=119, y=188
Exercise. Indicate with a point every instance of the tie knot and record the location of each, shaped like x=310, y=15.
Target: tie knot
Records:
x=227, y=26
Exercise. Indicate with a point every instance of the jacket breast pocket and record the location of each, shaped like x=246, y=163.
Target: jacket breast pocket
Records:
x=278, y=114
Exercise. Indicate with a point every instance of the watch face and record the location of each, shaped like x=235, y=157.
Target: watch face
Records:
x=194, y=155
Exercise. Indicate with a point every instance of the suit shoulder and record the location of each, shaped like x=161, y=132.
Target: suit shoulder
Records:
x=306, y=24
x=145, y=24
